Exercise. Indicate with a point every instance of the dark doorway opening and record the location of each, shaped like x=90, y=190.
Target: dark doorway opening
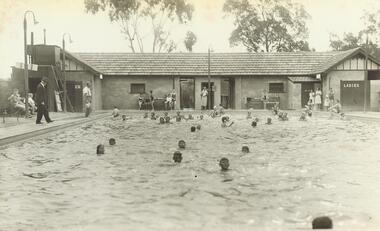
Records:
x=210, y=94
x=352, y=95
x=227, y=93
x=75, y=95
x=305, y=91
x=187, y=93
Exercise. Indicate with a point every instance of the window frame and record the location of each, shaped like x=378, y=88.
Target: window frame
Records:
x=132, y=90
x=272, y=91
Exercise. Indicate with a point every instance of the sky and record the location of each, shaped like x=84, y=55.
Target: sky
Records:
x=95, y=33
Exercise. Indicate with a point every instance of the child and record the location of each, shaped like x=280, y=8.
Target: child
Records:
x=225, y=120
x=249, y=115
x=308, y=110
x=153, y=116
x=178, y=117
x=275, y=109
x=141, y=100
x=224, y=164
x=327, y=102
x=115, y=112
x=303, y=116
x=336, y=108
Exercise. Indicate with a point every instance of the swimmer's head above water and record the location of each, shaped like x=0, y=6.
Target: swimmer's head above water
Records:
x=224, y=164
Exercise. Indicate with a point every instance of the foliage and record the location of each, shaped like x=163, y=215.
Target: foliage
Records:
x=190, y=40
x=268, y=25
x=134, y=15
x=370, y=31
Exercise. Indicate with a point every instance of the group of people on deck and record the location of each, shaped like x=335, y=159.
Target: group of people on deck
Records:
x=330, y=104
x=170, y=100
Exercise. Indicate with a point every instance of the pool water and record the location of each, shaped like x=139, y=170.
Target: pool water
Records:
x=294, y=172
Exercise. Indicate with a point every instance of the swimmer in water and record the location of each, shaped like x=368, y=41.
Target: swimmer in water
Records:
x=224, y=164
x=100, y=149
x=269, y=121
x=153, y=116
x=336, y=109
x=178, y=117
x=275, y=109
x=225, y=122
x=177, y=157
x=249, y=115
x=182, y=144
x=303, y=116
x=115, y=112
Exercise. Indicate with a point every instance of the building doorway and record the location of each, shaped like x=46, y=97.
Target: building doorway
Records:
x=210, y=94
x=227, y=93
x=187, y=93
x=352, y=95
x=306, y=88
x=75, y=96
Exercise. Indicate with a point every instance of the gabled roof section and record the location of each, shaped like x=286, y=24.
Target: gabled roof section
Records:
x=228, y=64
x=337, y=59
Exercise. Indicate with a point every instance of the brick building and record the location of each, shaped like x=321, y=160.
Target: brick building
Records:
x=238, y=80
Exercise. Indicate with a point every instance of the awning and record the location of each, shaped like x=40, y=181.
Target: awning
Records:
x=303, y=79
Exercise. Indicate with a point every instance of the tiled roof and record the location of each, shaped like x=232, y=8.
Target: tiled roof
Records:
x=302, y=79
x=287, y=63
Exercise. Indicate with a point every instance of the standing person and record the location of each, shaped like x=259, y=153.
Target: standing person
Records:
x=168, y=102
x=318, y=98
x=311, y=99
x=173, y=95
x=141, y=100
x=42, y=101
x=87, y=98
x=151, y=99
x=331, y=96
x=204, y=95
x=327, y=102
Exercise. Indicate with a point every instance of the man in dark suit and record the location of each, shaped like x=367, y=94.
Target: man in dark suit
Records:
x=42, y=101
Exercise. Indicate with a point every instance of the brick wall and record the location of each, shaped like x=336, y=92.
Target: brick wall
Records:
x=116, y=89
x=253, y=86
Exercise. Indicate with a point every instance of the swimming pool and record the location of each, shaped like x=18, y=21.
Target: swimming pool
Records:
x=295, y=171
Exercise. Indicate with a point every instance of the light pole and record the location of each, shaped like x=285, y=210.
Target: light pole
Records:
x=26, y=61
x=63, y=69
x=209, y=80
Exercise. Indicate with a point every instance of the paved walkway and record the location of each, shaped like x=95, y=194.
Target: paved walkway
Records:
x=13, y=129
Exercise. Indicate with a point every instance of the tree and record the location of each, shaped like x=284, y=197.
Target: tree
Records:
x=370, y=31
x=268, y=25
x=190, y=40
x=134, y=16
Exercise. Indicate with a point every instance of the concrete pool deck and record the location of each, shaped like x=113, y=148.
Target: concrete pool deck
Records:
x=13, y=129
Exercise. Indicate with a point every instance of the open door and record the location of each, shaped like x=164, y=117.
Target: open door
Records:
x=187, y=93
x=210, y=94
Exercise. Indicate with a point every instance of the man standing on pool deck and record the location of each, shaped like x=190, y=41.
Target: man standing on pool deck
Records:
x=87, y=98
x=42, y=101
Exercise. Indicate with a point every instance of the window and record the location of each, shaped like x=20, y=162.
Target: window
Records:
x=276, y=88
x=137, y=88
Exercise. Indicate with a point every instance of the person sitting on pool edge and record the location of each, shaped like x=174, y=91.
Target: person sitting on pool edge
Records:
x=225, y=120
x=336, y=109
